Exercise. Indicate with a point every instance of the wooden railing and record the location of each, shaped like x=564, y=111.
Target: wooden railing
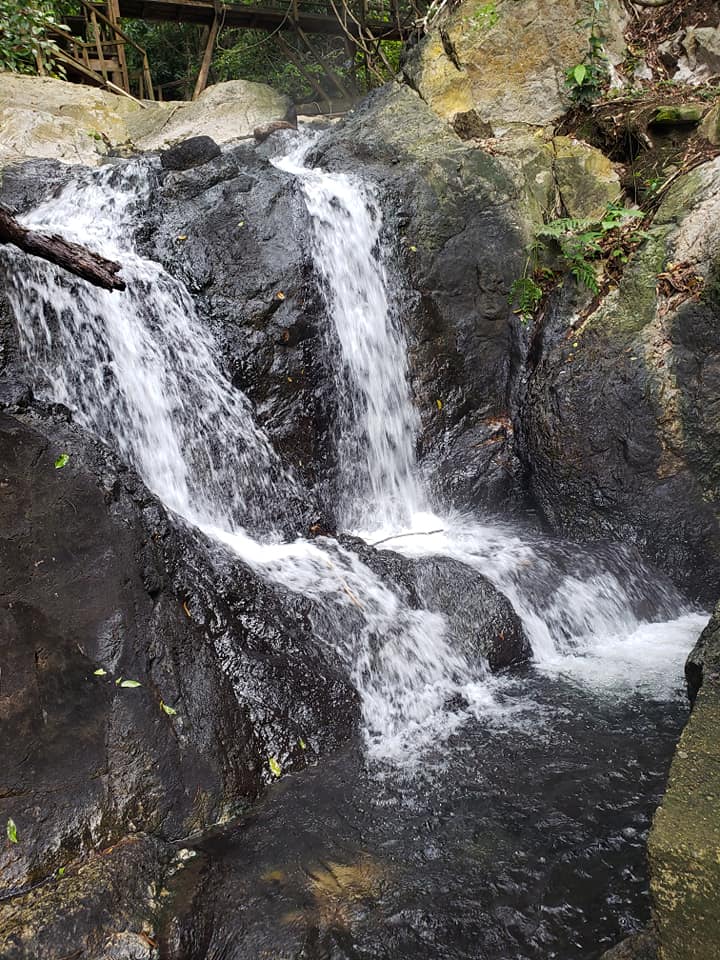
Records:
x=100, y=56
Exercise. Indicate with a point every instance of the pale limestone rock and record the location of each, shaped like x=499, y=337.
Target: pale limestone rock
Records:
x=45, y=118
x=507, y=60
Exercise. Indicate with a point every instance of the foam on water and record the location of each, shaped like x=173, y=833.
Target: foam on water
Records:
x=139, y=369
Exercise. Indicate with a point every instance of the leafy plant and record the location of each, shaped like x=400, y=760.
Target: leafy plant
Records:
x=24, y=44
x=526, y=295
x=587, y=79
x=484, y=17
x=583, y=243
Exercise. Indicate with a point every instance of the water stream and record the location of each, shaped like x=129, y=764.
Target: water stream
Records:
x=140, y=370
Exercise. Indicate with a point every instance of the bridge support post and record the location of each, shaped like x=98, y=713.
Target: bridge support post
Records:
x=202, y=78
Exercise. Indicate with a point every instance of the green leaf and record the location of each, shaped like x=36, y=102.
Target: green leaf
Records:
x=275, y=767
x=130, y=683
x=302, y=744
x=99, y=672
x=168, y=710
x=61, y=461
x=61, y=871
x=579, y=74
x=12, y=831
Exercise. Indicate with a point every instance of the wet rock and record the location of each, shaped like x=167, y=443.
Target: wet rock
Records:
x=640, y=946
x=105, y=907
x=247, y=263
x=507, y=61
x=193, y=152
x=99, y=588
x=481, y=621
x=619, y=426
x=704, y=659
x=684, y=844
x=262, y=133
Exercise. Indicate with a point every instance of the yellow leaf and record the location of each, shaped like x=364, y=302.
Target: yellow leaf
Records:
x=182, y=236
x=280, y=295
x=439, y=404
x=275, y=767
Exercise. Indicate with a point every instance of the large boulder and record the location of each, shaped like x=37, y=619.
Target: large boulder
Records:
x=45, y=118
x=620, y=423
x=505, y=62
x=481, y=622
x=100, y=588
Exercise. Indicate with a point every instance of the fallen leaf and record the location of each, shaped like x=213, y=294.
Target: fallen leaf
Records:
x=275, y=767
x=183, y=236
x=439, y=404
x=130, y=683
x=99, y=672
x=280, y=295
x=168, y=710
x=12, y=831
x=61, y=461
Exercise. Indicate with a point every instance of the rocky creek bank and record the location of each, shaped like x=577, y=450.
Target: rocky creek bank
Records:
x=601, y=417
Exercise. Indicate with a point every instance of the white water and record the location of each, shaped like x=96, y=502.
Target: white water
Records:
x=139, y=369
x=378, y=424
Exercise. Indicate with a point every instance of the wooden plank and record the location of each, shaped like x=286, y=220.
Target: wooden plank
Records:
x=248, y=16
x=202, y=78
x=332, y=76
x=293, y=58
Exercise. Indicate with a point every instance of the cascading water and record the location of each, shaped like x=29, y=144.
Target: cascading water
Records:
x=139, y=369
x=378, y=424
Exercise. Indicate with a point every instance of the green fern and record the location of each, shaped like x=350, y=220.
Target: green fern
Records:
x=525, y=296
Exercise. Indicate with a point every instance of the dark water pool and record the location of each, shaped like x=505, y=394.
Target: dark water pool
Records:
x=516, y=842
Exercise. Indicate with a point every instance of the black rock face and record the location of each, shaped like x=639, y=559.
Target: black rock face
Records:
x=193, y=152
x=623, y=446
x=100, y=588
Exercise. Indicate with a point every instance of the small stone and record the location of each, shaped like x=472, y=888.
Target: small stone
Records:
x=677, y=115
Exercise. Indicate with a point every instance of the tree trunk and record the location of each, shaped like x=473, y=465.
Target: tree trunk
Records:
x=70, y=256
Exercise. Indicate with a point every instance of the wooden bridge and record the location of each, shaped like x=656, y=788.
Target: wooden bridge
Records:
x=94, y=47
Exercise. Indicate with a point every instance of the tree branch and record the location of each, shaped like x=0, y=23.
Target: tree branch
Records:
x=70, y=256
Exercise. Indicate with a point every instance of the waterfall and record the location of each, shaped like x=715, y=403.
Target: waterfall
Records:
x=378, y=423
x=139, y=370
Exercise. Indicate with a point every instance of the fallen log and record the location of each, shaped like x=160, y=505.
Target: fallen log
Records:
x=70, y=256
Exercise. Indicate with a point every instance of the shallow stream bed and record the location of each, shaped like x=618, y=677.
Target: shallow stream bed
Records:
x=516, y=839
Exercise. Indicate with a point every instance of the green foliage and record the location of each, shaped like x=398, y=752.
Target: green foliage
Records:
x=525, y=295
x=62, y=461
x=484, y=17
x=587, y=80
x=24, y=45
x=11, y=830
x=581, y=240
x=583, y=243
